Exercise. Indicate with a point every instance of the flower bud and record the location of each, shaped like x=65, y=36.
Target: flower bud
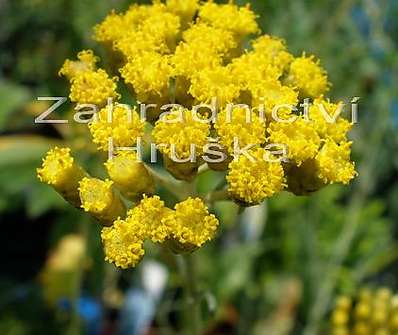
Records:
x=181, y=171
x=61, y=172
x=99, y=199
x=130, y=176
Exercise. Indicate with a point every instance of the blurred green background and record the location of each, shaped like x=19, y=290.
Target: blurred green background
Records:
x=275, y=269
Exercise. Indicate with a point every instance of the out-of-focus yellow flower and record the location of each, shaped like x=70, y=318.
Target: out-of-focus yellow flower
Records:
x=308, y=77
x=117, y=122
x=60, y=170
x=371, y=314
x=99, y=199
x=250, y=181
x=59, y=276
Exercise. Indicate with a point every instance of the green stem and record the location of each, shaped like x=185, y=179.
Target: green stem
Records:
x=217, y=196
x=176, y=188
x=192, y=302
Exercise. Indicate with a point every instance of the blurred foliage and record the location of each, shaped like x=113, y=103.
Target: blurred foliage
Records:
x=274, y=269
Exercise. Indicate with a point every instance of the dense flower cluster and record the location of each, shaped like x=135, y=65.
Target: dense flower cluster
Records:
x=373, y=312
x=191, y=53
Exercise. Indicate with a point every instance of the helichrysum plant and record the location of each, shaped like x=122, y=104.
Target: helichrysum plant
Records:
x=189, y=54
x=372, y=312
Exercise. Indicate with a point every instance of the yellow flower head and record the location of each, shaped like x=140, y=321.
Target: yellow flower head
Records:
x=130, y=176
x=209, y=38
x=323, y=112
x=136, y=42
x=271, y=93
x=185, y=9
x=111, y=28
x=191, y=224
x=99, y=199
x=334, y=164
x=88, y=85
x=86, y=62
x=308, y=77
x=217, y=82
x=162, y=23
x=123, y=244
x=240, y=20
x=274, y=49
x=153, y=22
x=180, y=129
x=150, y=214
x=239, y=124
x=300, y=137
x=189, y=59
x=58, y=165
x=148, y=73
x=251, y=180
x=118, y=123
x=251, y=70
x=93, y=87
x=60, y=170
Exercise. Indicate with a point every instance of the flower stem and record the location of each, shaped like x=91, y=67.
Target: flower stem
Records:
x=192, y=302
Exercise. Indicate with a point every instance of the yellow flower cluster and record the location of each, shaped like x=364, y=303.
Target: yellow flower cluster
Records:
x=88, y=84
x=185, y=228
x=373, y=312
x=195, y=53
